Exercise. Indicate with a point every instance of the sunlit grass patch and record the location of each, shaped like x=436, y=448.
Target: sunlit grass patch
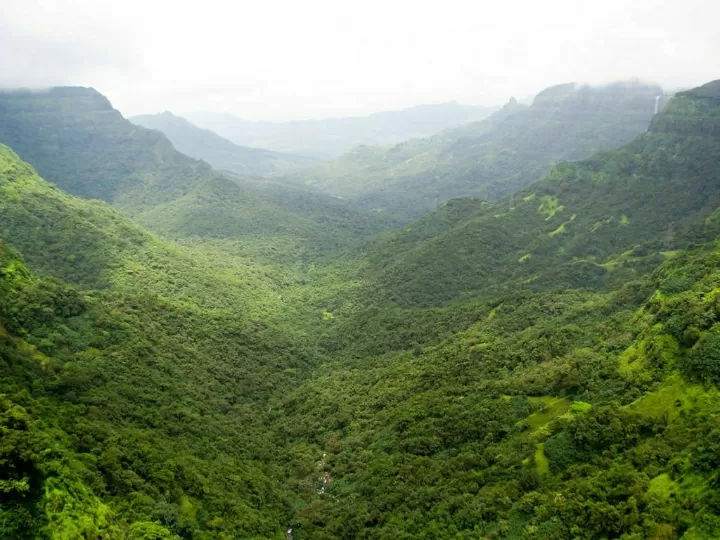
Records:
x=549, y=206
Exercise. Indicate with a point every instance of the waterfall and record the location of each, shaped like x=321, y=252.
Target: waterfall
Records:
x=657, y=104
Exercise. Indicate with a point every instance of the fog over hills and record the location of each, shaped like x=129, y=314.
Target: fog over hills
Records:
x=324, y=138
x=509, y=150
x=217, y=151
x=291, y=318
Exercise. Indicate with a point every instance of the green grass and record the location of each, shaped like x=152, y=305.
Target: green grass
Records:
x=542, y=465
x=676, y=397
x=549, y=206
x=662, y=486
x=549, y=409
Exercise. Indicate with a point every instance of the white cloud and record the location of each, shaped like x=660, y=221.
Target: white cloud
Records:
x=284, y=58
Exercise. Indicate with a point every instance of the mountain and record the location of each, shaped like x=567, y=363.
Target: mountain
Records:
x=545, y=366
x=490, y=159
x=541, y=367
x=590, y=219
x=264, y=219
x=217, y=151
x=330, y=137
x=132, y=392
x=77, y=141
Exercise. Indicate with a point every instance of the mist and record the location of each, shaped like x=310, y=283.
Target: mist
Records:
x=280, y=60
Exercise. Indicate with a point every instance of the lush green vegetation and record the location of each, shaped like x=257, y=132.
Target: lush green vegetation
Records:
x=490, y=159
x=76, y=140
x=544, y=367
x=218, y=152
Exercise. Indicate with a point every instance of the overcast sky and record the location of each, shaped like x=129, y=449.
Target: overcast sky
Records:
x=283, y=59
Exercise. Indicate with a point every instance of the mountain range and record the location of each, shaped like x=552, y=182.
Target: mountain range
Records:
x=217, y=151
x=79, y=142
x=540, y=366
x=500, y=155
x=330, y=137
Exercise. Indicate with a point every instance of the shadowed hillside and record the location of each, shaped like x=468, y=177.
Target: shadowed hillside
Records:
x=77, y=141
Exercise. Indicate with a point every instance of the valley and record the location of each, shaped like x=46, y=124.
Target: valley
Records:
x=522, y=343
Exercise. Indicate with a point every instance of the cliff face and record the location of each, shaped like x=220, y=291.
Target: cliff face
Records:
x=694, y=113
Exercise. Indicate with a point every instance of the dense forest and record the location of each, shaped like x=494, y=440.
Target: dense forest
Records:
x=187, y=353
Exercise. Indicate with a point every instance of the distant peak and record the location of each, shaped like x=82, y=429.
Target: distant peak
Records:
x=511, y=104
x=56, y=91
x=555, y=94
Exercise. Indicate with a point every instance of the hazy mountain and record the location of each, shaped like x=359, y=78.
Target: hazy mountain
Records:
x=492, y=158
x=651, y=193
x=331, y=137
x=217, y=151
x=76, y=140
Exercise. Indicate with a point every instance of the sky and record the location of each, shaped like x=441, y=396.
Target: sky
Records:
x=293, y=59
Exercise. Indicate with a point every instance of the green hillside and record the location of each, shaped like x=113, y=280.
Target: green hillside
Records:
x=133, y=393
x=76, y=140
x=490, y=159
x=541, y=367
x=590, y=221
x=575, y=397
x=217, y=151
x=263, y=219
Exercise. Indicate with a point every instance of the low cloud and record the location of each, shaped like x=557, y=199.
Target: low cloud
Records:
x=285, y=59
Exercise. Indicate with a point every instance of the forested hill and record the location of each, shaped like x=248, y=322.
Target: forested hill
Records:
x=582, y=225
x=76, y=140
x=217, y=151
x=568, y=390
x=133, y=393
x=330, y=137
x=490, y=159
x=541, y=367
